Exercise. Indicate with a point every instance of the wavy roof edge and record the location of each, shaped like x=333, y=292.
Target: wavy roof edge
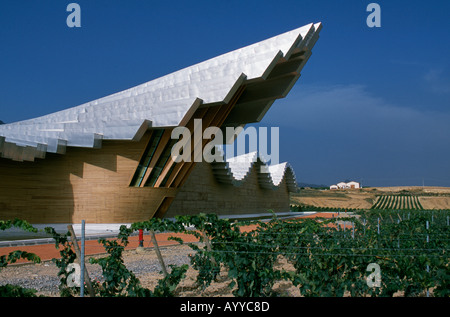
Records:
x=236, y=170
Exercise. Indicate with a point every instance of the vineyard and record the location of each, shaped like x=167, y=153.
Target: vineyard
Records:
x=376, y=253
x=398, y=202
x=401, y=198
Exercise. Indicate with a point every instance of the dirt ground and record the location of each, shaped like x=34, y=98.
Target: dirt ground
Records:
x=359, y=199
x=435, y=202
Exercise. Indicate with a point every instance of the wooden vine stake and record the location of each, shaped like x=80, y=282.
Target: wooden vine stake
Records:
x=78, y=254
x=208, y=246
x=158, y=253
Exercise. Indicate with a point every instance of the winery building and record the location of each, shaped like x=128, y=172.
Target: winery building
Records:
x=109, y=160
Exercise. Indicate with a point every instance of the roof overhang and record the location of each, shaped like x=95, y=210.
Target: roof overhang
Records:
x=267, y=69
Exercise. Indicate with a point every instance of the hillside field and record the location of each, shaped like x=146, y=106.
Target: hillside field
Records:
x=366, y=198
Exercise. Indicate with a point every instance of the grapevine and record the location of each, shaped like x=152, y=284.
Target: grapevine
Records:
x=329, y=257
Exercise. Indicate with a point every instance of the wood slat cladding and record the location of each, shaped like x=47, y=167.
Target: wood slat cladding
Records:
x=89, y=184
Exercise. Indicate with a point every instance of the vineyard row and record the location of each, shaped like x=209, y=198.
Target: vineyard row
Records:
x=400, y=202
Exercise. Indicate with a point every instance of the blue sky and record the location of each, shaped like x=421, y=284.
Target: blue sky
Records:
x=372, y=104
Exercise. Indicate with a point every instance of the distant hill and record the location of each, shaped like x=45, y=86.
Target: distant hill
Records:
x=311, y=185
x=1, y=122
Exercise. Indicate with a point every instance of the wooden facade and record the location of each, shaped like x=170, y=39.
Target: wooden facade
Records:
x=94, y=185
x=89, y=184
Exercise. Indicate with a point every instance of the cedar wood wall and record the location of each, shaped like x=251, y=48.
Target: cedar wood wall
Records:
x=93, y=184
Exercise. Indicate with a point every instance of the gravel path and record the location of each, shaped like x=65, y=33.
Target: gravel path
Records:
x=144, y=264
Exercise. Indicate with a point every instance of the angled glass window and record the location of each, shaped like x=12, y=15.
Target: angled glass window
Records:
x=147, y=158
x=162, y=161
x=164, y=182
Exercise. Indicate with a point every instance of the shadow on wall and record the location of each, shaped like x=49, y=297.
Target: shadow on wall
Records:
x=44, y=191
x=38, y=192
x=83, y=184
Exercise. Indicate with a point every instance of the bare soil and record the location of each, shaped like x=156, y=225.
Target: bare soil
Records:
x=435, y=202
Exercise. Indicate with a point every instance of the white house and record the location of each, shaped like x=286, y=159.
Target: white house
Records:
x=343, y=185
x=353, y=184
